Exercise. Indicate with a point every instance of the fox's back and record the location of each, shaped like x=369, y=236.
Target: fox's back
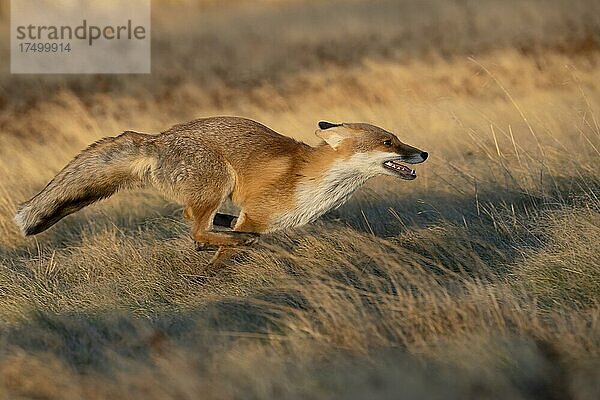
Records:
x=237, y=139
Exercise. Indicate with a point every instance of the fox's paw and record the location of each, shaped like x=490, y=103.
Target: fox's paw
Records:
x=205, y=246
x=248, y=239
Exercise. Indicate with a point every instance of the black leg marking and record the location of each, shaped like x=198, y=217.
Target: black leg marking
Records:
x=226, y=220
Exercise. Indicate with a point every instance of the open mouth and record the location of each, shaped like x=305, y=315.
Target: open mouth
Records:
x=400, y=169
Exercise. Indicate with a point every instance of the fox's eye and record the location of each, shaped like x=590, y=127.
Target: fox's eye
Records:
x=387, y=142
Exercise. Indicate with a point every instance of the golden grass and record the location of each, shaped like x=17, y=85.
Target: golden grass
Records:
x=478, y=280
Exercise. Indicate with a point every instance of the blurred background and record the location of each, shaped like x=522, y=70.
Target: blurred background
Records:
x=480, y=279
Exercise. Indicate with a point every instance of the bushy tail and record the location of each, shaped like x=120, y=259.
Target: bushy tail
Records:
x=96, y=173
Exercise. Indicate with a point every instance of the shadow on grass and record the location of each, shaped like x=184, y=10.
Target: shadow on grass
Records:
x=390, y=213
x=110, y=345
x=495, y=224
x=93, y=340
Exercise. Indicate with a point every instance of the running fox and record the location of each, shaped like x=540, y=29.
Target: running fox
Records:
x=276, y=181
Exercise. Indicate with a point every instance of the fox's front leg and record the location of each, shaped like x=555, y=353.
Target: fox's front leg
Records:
x=243, y=226
x=202, y=235
x=202, y=232
x=224, y=220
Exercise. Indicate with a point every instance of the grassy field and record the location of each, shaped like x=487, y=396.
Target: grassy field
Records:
x=478, y=280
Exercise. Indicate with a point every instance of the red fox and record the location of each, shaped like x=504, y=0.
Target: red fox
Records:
x=276, y=181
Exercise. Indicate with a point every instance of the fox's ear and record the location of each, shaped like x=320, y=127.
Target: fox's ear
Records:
x=332, y=134
x=326, y=125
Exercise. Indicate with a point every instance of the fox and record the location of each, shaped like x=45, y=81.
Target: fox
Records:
x=276, y=181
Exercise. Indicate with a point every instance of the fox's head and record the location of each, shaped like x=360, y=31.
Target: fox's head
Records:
x=377, y=150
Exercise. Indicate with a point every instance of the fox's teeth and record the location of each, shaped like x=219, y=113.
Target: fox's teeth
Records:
x=401, y=168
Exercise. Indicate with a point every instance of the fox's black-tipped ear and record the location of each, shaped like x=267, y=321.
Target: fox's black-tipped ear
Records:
x=326, y=125
x=332, y=134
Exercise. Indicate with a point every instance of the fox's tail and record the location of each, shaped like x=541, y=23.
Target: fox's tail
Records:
x=96, y=173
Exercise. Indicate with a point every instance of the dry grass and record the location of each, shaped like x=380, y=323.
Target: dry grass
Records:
x=481, y=279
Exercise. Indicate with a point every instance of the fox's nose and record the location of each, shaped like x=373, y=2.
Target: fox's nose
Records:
x=424, y=154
